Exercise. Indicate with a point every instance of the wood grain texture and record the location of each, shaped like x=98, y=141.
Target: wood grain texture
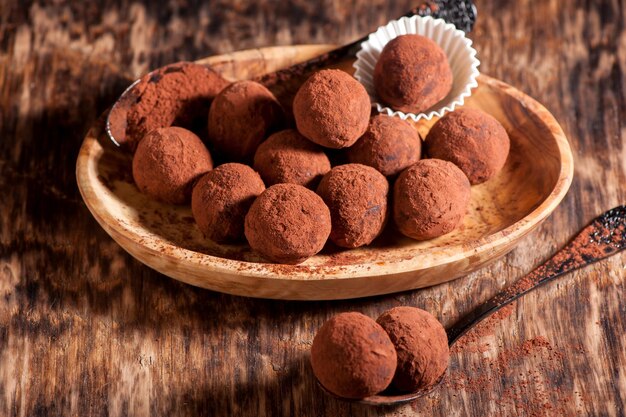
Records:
x=86, y=330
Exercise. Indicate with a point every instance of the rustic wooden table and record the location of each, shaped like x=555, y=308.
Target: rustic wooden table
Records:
x=87, y=330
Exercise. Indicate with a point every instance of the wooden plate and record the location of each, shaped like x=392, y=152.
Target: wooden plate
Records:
x=535, y=179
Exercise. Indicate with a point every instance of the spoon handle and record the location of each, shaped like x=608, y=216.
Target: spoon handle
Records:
x=603, y=237
x=462, y=14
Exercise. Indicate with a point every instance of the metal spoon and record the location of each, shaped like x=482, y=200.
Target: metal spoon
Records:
x=282, y=83
x=603, y=237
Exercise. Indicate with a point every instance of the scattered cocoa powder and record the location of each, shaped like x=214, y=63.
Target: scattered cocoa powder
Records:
x=357, y=198
x=352, y=356
x=287, y=223
x=470, y=341
x=177, y=94
x=412, y=74
x=480, y=378
x=471, y=139
x=332, y=109
x=535, y=389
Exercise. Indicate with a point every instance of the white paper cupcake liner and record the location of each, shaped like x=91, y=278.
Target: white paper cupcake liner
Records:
x=458, y=49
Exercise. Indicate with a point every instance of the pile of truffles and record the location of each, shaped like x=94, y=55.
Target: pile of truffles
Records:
x=275, y=186
x=405, y=350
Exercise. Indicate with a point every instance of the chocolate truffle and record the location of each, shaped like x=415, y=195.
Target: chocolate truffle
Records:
x=168, y=161
x=421, y=345
x=221, y=198
x=389, y=144
x=471, y=139
x=357, y=198
x=352, y=356
x=241, y=117
x=288, y=157
x=287, y=223
x=177, y=94
x=430, y=199
x=412, y=74
x=332, y=109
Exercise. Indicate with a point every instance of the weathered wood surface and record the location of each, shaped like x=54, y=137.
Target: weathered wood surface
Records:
x=86, y=330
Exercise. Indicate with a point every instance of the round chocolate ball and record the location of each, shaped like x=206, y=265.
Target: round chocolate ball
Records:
x=430, y=199
x=412, y=74
x=241, y=117
x=288, y=157
x=389, y=144
x=168, y=161
x=357, y=198
x=287, y=223
x=221, y=198
x=421, y=344
x=352, y=356
x=471, y=139
x=332, y=109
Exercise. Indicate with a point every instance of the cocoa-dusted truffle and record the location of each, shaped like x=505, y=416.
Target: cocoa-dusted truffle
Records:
x=287, y=223
x=412, y=74
x=471, y=139
x=352, y=356
x=221, y=198
x=390, y=145
x=421, y=344
x=288, y=157
x=177, y=94
x=241, y=117
x=430, y=199
x=168, y=161
x=332, y=109
x=357, y=198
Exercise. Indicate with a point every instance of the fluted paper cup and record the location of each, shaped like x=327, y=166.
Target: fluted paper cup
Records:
x=458, y=49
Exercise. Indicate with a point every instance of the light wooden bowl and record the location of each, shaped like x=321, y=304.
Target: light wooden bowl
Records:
x=503, y=210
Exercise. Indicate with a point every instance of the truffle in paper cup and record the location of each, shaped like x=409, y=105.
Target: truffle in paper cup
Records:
x=461, y=57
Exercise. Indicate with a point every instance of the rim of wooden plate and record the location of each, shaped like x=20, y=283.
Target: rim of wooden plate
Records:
x=173, y=254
